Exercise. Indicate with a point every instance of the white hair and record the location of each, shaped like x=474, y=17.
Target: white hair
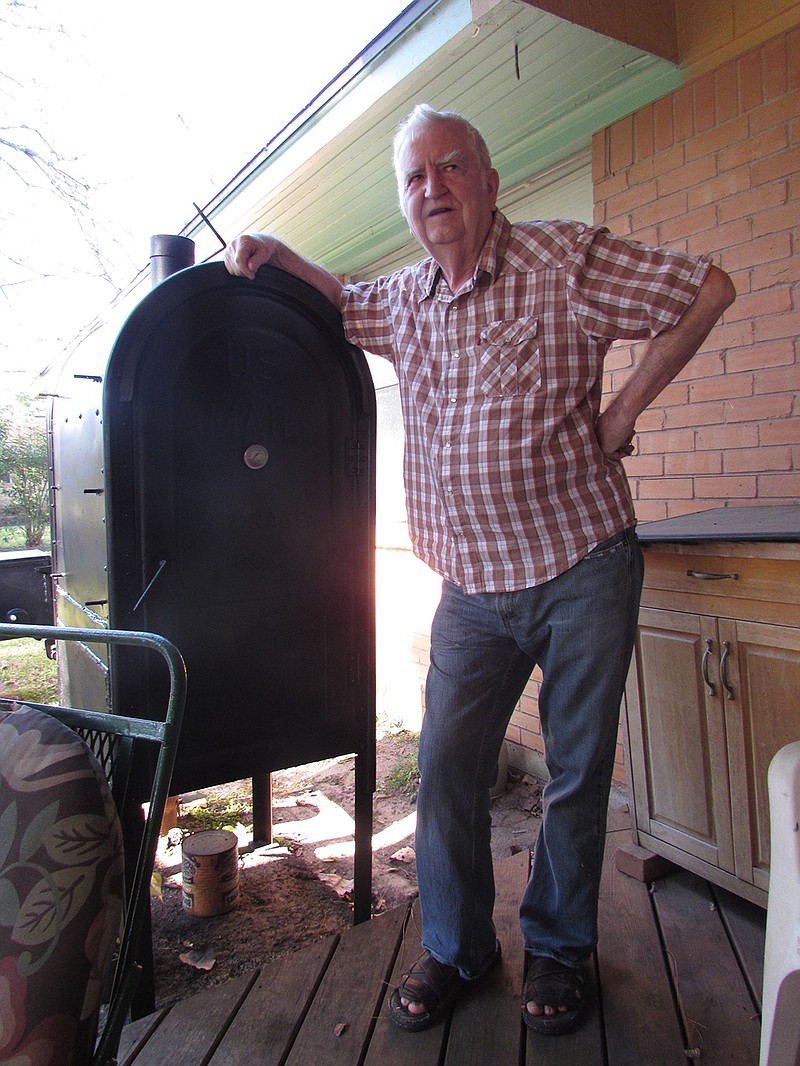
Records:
x=425, y=115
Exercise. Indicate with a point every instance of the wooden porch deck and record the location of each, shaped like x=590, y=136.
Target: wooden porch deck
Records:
x=677, y=978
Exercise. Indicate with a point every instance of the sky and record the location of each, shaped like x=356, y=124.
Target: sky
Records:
x=154, y=106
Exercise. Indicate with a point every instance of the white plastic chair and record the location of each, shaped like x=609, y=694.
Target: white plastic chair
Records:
x=780, y=1014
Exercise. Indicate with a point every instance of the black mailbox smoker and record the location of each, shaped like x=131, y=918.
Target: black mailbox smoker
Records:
x=213, y=482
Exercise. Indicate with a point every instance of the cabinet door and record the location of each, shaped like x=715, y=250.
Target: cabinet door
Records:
x=677, y=736
x=761, y=686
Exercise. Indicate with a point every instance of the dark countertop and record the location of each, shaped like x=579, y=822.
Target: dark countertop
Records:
x=778, y=522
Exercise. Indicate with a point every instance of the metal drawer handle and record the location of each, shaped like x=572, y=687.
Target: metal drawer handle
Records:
x=723, y=669
x=711, y=577
x=706, y=656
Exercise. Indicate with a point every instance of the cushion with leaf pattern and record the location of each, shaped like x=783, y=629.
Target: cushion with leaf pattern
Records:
x=61, y=890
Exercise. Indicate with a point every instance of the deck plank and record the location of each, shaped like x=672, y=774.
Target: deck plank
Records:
x=718, y=1013
x=638, y=1014
x=390, y=1046
x=746, y=923
x=487, y=1024
x=271, y=1015
x=191, y=1029
x=337, y=1028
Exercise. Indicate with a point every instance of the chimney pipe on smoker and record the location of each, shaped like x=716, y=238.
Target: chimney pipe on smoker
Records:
x=168, y=254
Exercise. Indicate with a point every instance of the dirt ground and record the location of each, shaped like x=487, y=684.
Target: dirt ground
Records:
x=298, y=889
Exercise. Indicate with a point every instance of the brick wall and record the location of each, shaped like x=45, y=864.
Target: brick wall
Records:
x=713, y=168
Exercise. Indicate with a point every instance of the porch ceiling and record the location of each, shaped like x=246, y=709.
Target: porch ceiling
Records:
x=536, y=85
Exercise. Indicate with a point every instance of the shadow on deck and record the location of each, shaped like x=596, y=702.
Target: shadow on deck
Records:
x=676, y=978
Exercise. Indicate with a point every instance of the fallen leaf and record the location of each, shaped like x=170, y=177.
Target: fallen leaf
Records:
x=200, y=960
x=404, y=855
x=156, y=886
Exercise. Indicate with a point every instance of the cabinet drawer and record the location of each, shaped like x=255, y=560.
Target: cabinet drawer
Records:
x=730, y=580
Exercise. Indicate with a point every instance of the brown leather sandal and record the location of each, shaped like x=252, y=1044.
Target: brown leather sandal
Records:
x=433, y=985
x=556, y=985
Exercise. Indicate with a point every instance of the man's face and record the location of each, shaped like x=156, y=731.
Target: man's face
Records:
x=445, y=195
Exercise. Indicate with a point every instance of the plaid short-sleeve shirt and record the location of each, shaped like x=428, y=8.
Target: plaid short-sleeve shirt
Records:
x=500, y=384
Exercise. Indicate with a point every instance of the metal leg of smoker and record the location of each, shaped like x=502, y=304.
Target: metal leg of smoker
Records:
x=144, y=996
x=262, y=809
x=362, y=862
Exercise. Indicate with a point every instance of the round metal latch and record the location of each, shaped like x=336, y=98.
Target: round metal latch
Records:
x=256, y=456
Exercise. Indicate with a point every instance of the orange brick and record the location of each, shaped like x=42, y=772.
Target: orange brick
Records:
x=705, y=112
x=760, y=357
x=782, y=379
x=793, y=52
x=664, y=488
x=720, y=438
x=775, y=113
x=599, y=157
x=691, y=463
x=757, y=408
x=676, y=394
x=750, y=88
x=662, y=123
x=781, y=165
x=620, y=153
x=727, y=487
x=630, y=199
x=713, y=190
x=723, y=387
x=774, y=327
x=785, y=271
x=613, y=185
x=667, y=440
x=758, y=305
x=776, y=77
x=726, y=92
x=753, y=201
x=669, y=160
x=641, y=172
x=649, y=421
x=687, y=175
x=650, y=511
x=780, y=431
x=724, y=237
x=779, y=486
x=714, y=140
x=764, y=250
x=677, y=509
x=651, y=236
x=683, y=112
x=705, y=364
x=645, y=466
x=776, y=219
x=731, y=335
x=695, y=414
x=757, y=460
x=643, y=133
x=759, y=147
x=665, y=207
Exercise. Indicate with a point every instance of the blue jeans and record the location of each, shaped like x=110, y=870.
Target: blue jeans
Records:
x=579, y=628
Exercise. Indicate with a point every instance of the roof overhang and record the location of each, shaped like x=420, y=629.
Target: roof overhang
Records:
x=537, y=86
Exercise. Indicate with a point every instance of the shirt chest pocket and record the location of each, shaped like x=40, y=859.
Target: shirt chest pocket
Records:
x=508, y=357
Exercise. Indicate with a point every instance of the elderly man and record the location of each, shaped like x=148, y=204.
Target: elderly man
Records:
x=517, y=497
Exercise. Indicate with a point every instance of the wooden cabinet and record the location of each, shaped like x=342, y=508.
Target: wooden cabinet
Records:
x=713, y=693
